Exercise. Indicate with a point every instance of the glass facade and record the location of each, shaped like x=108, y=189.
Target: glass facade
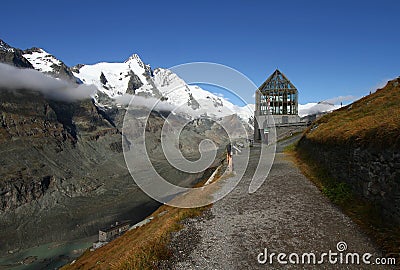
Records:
x=277, y=96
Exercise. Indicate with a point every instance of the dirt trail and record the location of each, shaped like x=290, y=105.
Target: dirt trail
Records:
x=287, y=214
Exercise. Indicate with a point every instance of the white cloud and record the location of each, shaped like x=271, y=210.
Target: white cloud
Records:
x=135, y=101
x=339, y=99
x=12, y=78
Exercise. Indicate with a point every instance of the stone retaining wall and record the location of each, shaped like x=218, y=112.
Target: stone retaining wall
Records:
x=372, y=173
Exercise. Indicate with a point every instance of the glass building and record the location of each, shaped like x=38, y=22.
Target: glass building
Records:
x=277, y=96
x=276, y=106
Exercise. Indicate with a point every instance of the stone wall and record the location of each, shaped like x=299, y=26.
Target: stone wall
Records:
x=373, y=173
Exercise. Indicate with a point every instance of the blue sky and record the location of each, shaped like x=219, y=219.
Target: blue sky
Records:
x=326, y=48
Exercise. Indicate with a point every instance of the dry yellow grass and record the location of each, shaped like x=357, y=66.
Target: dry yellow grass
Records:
x=140, y=248
x=372, y=120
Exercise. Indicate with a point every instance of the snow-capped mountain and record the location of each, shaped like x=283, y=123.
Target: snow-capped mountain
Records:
x=49, y=64
x=316, y=108
x=41, y=60
x=201, y=101
x=116, y=79
x=132, y=77
x=135, y=77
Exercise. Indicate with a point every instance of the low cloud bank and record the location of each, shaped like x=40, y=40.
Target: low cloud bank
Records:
x=12, y=78
x=151, y=103
x=147, y=102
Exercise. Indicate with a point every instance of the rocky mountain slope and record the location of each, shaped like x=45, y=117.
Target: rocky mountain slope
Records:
x=57, y=158
x=63, y=168
x=63, y=173
x=13, y=56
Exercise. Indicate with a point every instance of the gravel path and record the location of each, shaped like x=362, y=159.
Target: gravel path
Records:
x=287, y=214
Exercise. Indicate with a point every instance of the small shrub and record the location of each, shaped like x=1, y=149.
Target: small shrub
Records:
x=338, y=192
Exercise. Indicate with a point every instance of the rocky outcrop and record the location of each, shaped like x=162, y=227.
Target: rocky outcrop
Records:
x=134, y=83
x=31, y=128
x=63, y=72
x=13, y=56
x=192, y=102
x=77, y=67
x=23, y=189
x=103, y=79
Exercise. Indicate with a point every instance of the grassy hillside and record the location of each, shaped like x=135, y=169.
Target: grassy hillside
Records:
x=352, y=156
x=372, y=120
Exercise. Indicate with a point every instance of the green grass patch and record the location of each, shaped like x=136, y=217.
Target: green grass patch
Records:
x=337, y=192
x=290, y=148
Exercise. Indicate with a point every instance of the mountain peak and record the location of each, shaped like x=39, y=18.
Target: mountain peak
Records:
x=134, y=57
x=135, y=60
x=34, y=49
x=5, y=47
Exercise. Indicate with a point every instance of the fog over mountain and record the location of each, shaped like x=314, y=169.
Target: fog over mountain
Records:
x=12, y=78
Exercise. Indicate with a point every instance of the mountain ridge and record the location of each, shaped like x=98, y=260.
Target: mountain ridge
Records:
x=130, y=77
x=134, y=77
